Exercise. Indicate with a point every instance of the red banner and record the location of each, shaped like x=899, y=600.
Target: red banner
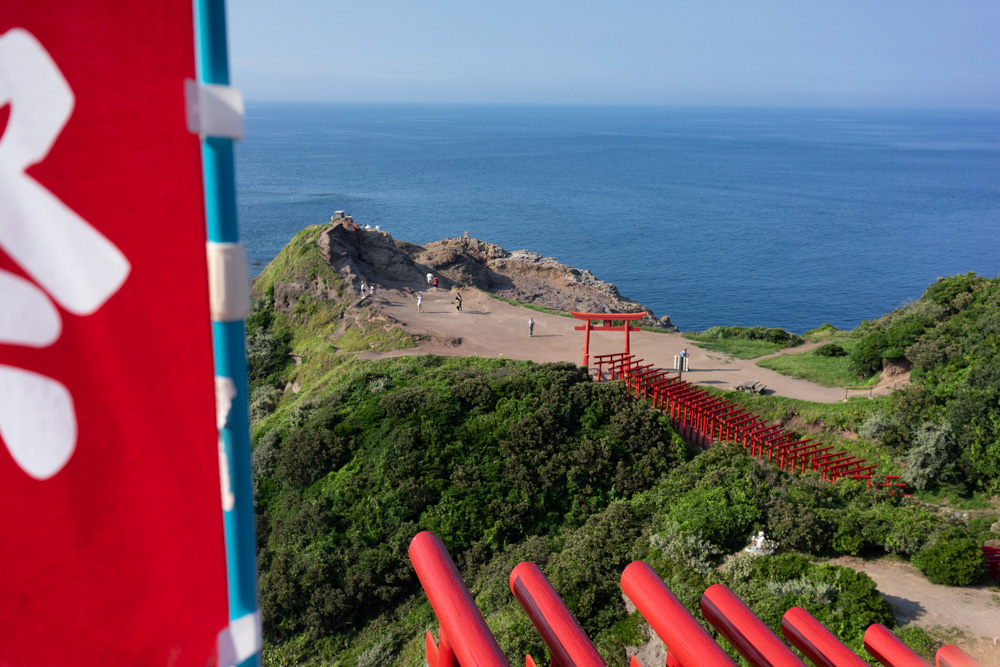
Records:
x=112, y=551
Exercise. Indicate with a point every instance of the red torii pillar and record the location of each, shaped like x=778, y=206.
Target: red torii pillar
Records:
x=607, y=317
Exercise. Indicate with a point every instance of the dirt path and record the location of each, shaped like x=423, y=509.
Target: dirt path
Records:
x=804, y=347
x=973, y=610
x=493, y=328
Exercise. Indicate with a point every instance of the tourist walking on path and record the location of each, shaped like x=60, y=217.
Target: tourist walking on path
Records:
x=420, y=303
x=458, y=302
x=362, y=289
x=531, y=326
x=371, y=291
x=435, y=282
x=429, y=277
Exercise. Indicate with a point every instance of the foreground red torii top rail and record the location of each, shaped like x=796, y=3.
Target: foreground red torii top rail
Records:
x=466, y=641
x=607, y=318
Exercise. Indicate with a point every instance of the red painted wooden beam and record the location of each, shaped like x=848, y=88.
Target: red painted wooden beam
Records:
x=952, y=656
x=460, y=620
x=601, y=327
x=887, y=648
x=816, y=642
x=744, y=630
x=678, y=629
x=567, y=641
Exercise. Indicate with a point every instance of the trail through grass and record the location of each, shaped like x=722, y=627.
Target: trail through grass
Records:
x=824, y=370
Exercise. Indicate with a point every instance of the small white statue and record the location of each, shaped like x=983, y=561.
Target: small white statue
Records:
x=758, y=544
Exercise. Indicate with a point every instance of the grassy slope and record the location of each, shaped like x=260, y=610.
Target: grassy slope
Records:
x=322, y=329
x=744, y=342
x=741, y=349
x=826, y=371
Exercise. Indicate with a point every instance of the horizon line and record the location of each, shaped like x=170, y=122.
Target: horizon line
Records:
x=622, y=105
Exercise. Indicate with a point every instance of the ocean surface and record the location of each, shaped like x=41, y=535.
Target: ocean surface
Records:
x=736, y=216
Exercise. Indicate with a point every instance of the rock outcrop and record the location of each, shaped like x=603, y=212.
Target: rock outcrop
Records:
x=358, y=253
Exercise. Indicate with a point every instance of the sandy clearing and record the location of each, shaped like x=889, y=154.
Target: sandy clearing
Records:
x=914, y=599
x=974, y=610
x=489, y=327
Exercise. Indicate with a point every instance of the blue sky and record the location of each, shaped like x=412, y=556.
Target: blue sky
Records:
x=910, y=53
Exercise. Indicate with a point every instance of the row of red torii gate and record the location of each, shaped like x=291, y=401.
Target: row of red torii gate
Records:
x=703, y=417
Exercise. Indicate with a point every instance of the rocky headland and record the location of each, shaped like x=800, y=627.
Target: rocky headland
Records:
x=362, y=254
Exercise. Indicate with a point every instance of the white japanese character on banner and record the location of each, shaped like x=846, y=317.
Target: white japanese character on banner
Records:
x=68, y=259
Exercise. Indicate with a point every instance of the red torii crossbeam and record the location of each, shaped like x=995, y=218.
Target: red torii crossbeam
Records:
x=608, y=318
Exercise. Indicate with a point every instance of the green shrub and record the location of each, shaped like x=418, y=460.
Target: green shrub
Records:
x=307, y=455
x=928, y=352
x=407, y=401
x=831, y=350
x=818, y=592
x=264, y=457
x=886, y=341
x=850, y=536
x=946, y=290
x=263, y=400
x=917, y=639
x=801, y=515
x=770, y=335
x=866, y=360
x=822, y=330
x=690, y=549
x=587, y=570
x=720, y=515
x=910, y=529
x=955, y=558
x=887, y=430
x=931, y=457
x=268, y=345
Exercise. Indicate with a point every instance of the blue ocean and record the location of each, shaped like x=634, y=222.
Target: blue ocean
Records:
x=736, y=216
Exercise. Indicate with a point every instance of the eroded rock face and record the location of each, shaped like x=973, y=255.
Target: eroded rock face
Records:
x=372, y=255
x=526, y=276
x=896, y=369
x=366, y=254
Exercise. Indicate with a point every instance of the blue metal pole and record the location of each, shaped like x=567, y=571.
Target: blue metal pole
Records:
x=228, y=337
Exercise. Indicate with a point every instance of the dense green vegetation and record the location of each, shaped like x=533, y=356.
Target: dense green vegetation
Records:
x=509, y=461
x=484, y=453
x=945, y=426
x=744, y=342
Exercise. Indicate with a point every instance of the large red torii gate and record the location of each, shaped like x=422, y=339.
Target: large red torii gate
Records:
x=587, y=327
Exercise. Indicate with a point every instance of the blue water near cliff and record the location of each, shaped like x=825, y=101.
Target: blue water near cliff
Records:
x=773, y=217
